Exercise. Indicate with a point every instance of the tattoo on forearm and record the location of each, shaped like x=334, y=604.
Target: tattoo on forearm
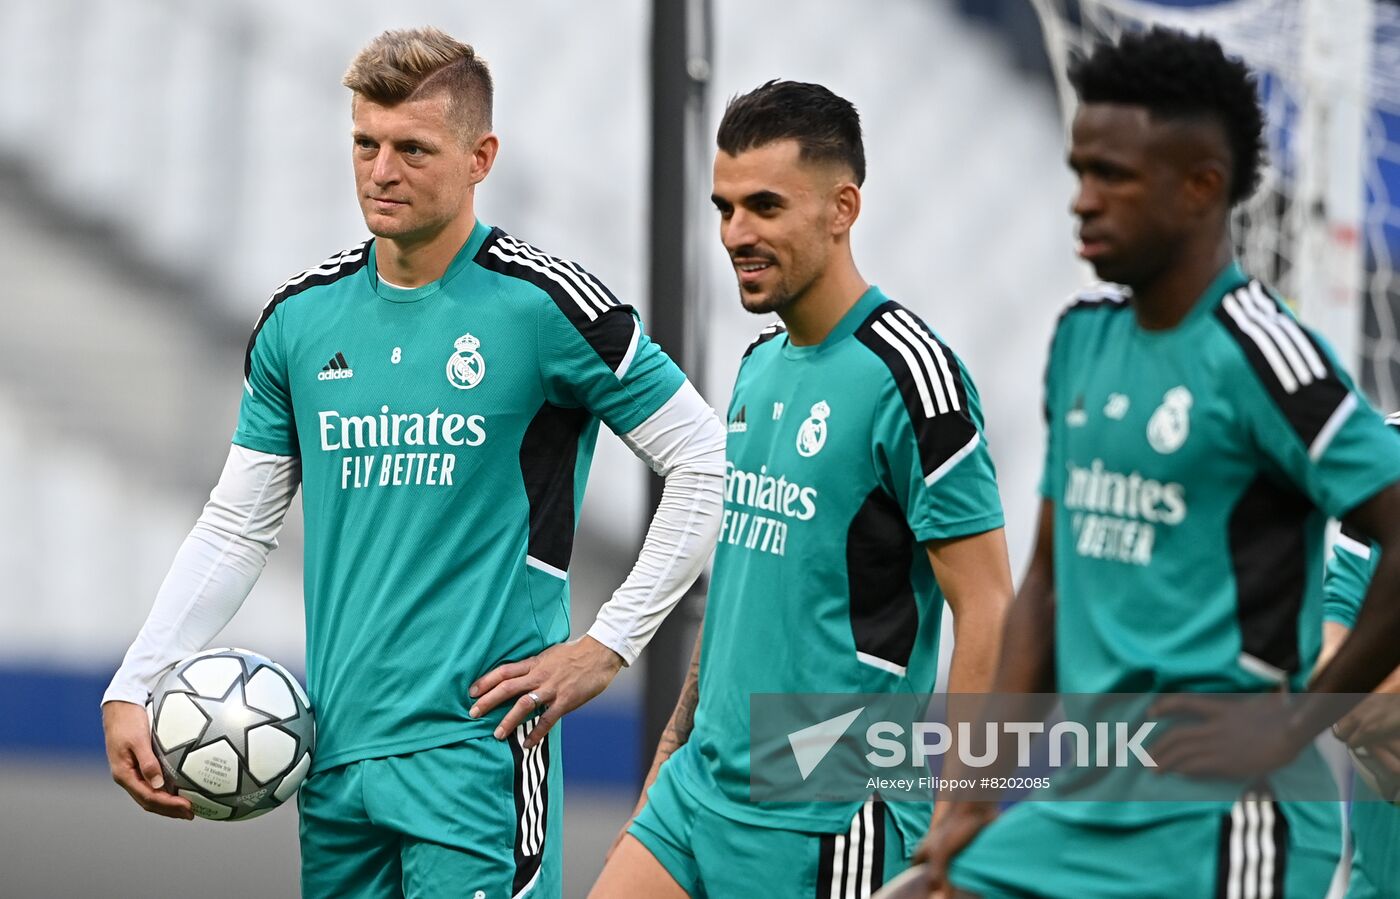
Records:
x=685, y=709
x=683, y=718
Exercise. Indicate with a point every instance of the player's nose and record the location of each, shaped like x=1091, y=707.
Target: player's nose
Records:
x=385, y=169
x=737, y=232
x=1086, y=201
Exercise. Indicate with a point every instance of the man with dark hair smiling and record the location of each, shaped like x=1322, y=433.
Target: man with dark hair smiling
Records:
x=859, y=496
x=1199, y=437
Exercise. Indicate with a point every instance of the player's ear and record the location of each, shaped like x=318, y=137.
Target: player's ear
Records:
x=847, y=207
x=484, y=156
x=1206, y=185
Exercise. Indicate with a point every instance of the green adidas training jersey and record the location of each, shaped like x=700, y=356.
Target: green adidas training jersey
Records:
x=1375, y=825
x=842, y=460
x=444, y=435
x=1192, y=472
x=1349, y=571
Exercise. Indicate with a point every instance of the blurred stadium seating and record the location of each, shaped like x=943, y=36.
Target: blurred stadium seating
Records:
x=164, y=165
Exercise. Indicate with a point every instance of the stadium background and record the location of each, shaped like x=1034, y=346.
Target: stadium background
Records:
x=163, y=166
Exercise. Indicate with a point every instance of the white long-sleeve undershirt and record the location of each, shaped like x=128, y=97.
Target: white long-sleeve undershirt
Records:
x=683, y=441
x=218, y=563
x=214, y=569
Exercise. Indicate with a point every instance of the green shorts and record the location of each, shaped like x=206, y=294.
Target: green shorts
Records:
x=480, y=819
x=713, y=856
x=1260, y=849
x=1375, y=838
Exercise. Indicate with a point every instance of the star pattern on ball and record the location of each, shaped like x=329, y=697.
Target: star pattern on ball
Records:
x=230, y=718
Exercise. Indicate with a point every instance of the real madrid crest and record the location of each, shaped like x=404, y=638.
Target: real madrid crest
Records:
x=466, y=367
x=811, y=437
x=1170, y=425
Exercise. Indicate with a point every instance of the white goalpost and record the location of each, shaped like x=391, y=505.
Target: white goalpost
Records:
x=1321, y=227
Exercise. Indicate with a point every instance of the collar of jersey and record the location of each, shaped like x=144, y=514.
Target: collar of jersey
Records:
x=1230, y=277
x=844, y=328
x=414, y=294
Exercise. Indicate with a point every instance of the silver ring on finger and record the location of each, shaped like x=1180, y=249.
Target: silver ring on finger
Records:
x=535, y=698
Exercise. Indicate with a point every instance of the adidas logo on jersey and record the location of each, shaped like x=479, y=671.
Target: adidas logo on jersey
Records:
x=335, y=370
x=739, y=423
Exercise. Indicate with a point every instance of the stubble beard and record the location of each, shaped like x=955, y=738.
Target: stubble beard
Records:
x=781, y=297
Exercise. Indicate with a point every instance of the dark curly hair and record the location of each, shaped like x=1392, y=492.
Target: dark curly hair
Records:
x=1176, y=75
x=825, y=126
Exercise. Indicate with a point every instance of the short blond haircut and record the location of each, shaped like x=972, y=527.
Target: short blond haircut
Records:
x=415, y=63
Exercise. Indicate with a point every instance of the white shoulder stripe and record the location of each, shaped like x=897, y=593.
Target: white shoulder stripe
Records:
x=1284, y=331
x=579, y=290
x=1290, y=327
x=1099, y=293
x=586, y=307
x=930, y=370
x=1269, y=323
x=1102, y=292
x=917, y=372
x=599, y=290
x=332, y=265
x=565, y=269
x=329, y=267
x=938, y=353
x=1266, y=346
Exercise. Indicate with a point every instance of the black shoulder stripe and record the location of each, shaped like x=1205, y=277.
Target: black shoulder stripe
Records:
x=610, y=327
x=1289, y=362
x=774, y=330
x=341, y=265
x=931, y=382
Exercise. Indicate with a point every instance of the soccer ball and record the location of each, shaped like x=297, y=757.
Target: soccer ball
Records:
x=1376, y=776
x=233, y=731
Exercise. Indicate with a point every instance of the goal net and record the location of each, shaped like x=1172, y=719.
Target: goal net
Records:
x=1323, y=227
